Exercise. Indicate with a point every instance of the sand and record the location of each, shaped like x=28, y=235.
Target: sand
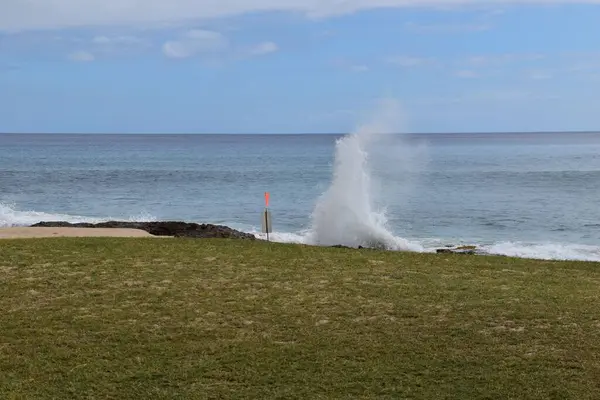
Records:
x=29, y=232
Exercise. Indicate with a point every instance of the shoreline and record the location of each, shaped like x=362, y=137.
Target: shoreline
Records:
x=160, y=229
x=116, y=229
x=181, y=229
x=47, y=232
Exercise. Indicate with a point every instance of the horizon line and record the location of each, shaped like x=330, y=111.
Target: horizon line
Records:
x=294, y=134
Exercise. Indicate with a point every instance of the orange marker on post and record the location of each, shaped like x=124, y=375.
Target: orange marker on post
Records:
x=266, y=218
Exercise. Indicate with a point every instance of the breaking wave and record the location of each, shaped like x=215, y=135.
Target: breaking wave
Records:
x=11, y=216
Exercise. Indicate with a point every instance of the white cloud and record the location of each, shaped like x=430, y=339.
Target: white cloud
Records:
x=349, y=65
x=473, y=66
x=194, y=42
x=264, y=48
x=18, y=15
x=101, y=40
x=124, y=40
x=446, y=28
x=467, y=74
x=531, y=66
x=497, y=95
x=359, y=68
x=122, y=45
x=498, y=59
x=82, y=56
x=77, y=46
x=540, y=75
x=200, y=42
x=102, y=46
x=582, y=62
x=534, y=66
x=508, y=94
x=409, y=61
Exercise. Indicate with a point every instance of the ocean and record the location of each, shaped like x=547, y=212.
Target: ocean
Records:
x=531, y=195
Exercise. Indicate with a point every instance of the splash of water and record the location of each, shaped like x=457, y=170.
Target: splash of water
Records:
x=345, y=214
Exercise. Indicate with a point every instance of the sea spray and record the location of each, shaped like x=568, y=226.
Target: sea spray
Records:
x=345, y=214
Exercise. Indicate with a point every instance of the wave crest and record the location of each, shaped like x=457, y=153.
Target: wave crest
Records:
x=11, y=216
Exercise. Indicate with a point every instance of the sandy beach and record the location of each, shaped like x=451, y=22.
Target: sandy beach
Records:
x=39, y=232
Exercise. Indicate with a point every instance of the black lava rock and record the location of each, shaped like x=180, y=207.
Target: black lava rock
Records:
x=161, y=228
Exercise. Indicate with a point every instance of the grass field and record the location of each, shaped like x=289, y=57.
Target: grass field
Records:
x=206, y=319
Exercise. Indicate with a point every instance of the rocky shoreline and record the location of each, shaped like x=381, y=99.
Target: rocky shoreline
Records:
x=160, y=228
x=469, y=250
x=181, y=229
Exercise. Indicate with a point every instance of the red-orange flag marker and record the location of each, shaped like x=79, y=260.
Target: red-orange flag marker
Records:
x=266, y=199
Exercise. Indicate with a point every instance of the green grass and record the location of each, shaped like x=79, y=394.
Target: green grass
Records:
x=207, y=319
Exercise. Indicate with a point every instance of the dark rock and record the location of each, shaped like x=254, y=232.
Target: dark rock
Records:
x=466, y=248
x=162, y=228
x=470, y=250
x=444, y=251
x=341, y=246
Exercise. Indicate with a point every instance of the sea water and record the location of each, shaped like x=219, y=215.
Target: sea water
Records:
x=520, y=194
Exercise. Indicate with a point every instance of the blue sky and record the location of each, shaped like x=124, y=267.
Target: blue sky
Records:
x=295, y=66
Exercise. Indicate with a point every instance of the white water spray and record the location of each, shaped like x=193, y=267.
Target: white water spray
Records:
x=345, y=214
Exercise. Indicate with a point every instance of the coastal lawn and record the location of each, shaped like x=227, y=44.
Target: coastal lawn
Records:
x=142, y=318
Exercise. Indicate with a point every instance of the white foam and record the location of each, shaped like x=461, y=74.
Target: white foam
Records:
x=140, y=217
x=540, y=251
x=285, y=237
x=10, y=216
x=545, y=251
